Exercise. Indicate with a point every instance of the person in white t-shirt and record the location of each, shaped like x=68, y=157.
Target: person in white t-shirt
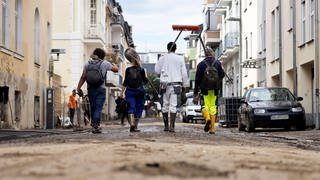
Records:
x=173, y=77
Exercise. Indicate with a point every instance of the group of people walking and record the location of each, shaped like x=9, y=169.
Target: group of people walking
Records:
x=173, y=75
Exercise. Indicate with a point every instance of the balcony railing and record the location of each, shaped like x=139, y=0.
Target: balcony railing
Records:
x=113, y=79
x=231, y=40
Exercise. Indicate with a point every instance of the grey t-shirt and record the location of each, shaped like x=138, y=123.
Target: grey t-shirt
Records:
x=105, y=66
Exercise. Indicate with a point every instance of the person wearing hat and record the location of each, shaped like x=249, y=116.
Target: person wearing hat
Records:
x=173, y=77
x=96, y=93
x=209, y=96
x=135, y=78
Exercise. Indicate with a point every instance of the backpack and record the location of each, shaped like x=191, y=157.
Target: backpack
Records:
x=94, y=76
x=211, y=79
x=135, y=78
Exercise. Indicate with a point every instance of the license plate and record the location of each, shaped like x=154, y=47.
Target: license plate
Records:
x=279, y=117
x=197, y=117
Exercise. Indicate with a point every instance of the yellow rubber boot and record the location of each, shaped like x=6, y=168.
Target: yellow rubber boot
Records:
x=206, y=116
x=213, y=120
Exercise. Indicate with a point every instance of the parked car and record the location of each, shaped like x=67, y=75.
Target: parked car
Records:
x=270, y=107
x=192, y=112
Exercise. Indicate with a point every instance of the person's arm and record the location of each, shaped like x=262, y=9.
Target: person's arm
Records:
x=114, y=68
x=125, y=83
x=81, y=82
x=184, y=74
x=123, y=88
x=144, y=76
x=219, y=69
x=198, y=78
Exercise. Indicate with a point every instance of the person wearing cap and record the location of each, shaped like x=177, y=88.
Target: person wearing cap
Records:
x=135, y=78
x=173, y=77
x=209, y=97
x=72, y=105
x=96, y=94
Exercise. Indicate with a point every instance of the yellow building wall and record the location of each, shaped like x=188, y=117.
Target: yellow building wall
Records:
x=19, y=72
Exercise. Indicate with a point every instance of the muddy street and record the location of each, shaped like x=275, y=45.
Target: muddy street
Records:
x=154, y=154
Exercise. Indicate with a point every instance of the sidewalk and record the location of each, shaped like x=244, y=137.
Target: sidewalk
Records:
x=11, y=134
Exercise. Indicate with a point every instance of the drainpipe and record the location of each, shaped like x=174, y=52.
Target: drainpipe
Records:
x=280, y=45
x=316, y=68
x=240, y=49
x=294, y=50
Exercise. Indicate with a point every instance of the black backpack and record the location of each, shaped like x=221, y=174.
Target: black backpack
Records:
x=94, y=75
x=211, y=79
x=135, y=78
x=122, y=105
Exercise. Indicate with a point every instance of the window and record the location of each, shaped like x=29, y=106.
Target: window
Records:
x=312, y=19
x=262, y=28
x=303, y=21
x=37, y=37
x=18, y=25
x=275, y=33
x=246, y=39
x=250, y=46
x=291, y=15
x=5, y=22
x=93, y=12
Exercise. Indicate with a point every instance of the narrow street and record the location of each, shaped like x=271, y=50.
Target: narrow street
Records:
x=154, y=154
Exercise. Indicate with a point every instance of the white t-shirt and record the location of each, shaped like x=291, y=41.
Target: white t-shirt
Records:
x=172, y=68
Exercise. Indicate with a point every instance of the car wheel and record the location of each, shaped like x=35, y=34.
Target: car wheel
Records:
x=287, y=128
x=250, y=126
x=241, y=127
x=300, y=126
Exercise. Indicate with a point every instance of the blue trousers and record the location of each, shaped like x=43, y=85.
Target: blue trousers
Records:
x=135, y=97
x=97, y=97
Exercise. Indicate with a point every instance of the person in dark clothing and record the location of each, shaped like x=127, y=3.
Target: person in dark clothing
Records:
x=135, y=78
x=209, y=95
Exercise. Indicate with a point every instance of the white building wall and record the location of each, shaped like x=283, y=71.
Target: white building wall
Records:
x=249, y=42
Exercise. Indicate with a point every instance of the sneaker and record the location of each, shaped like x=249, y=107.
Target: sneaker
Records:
x=207, y=126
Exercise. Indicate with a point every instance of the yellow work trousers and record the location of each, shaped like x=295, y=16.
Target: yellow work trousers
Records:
x=210, y=109
x=210, y=102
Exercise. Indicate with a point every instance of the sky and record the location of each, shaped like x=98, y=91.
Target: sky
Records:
x=152, y=21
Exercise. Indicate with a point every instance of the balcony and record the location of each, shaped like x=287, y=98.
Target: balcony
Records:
x=232, y=41
x=224, y=3
x=117, y=23
x=212, y=38
x=95, y=35
x=113, y=79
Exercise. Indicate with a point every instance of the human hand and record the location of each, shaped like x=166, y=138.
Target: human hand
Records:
x=80, y=92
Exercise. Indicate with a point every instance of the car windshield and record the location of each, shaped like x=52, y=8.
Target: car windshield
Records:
x=190, y=103
x=271, y=94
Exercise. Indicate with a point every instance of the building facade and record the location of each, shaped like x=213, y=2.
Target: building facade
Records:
x=25, y=46
x=88, y=25
x=293, y=59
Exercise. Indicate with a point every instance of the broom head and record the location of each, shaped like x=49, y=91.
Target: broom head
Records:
x=185, y=28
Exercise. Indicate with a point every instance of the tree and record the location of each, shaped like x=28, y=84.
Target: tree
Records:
x=152, y=88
